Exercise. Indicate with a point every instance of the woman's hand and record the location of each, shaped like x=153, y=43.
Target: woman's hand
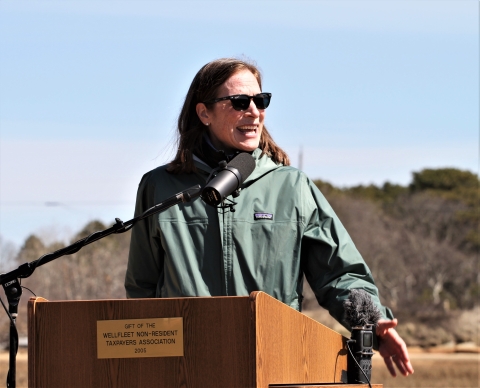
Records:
x=392, y=348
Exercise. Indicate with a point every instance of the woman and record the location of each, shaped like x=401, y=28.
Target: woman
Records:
x=282, y=227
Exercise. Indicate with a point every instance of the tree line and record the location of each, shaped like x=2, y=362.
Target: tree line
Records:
x=421, y=241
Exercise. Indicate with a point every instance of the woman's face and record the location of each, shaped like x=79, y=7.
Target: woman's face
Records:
x=228, y=128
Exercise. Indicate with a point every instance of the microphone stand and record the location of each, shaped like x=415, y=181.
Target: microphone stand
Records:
x=13, y=290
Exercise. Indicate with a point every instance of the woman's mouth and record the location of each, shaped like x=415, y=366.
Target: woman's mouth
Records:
x=247, y=128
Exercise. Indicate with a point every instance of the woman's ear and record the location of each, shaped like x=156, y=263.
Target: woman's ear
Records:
x=202, y=113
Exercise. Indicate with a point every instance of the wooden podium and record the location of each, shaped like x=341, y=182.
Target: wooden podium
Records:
x=253, y=341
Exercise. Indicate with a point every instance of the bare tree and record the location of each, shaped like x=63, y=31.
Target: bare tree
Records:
x=8, y=252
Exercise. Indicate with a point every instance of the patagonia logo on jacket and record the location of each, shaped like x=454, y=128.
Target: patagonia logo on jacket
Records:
x=262, y=216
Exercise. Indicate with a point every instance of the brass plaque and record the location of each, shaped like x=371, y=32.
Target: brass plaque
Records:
x=133, y=338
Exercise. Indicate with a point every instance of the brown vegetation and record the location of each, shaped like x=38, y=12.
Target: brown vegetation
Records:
x=421, y=243
x=97, y=271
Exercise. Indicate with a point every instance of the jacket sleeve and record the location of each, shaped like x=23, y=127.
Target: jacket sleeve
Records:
x=331, y=263
x=144, y=276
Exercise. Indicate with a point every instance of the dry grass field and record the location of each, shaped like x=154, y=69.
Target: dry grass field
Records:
x=457, y=370
x=450, y=370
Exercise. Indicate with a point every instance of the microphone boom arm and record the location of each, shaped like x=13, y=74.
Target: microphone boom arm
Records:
x=26, y=269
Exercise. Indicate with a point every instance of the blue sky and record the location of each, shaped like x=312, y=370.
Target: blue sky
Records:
x=90, y=92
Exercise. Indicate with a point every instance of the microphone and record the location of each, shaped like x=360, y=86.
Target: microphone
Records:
x=362, y=315
x=228, y=179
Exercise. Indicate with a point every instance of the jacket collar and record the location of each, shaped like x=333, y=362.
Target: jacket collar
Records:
x=263, y=166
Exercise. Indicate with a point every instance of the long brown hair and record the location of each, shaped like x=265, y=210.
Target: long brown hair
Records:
x=204, y=87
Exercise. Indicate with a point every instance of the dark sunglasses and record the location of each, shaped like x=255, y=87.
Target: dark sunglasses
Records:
x=242, y=101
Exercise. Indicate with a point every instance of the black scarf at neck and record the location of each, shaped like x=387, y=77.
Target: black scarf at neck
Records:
x=211, y=155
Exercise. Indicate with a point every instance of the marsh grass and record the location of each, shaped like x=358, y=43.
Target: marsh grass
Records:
x=457, y=370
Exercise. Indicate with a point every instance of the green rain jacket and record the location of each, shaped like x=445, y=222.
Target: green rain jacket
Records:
x=282, y=228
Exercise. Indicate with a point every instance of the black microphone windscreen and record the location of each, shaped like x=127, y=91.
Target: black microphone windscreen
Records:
x=228, y=179
x=244, y=163
x=360, y=309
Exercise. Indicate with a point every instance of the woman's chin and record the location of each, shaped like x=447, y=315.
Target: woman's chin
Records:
x=248, y=148
x=248, y=145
